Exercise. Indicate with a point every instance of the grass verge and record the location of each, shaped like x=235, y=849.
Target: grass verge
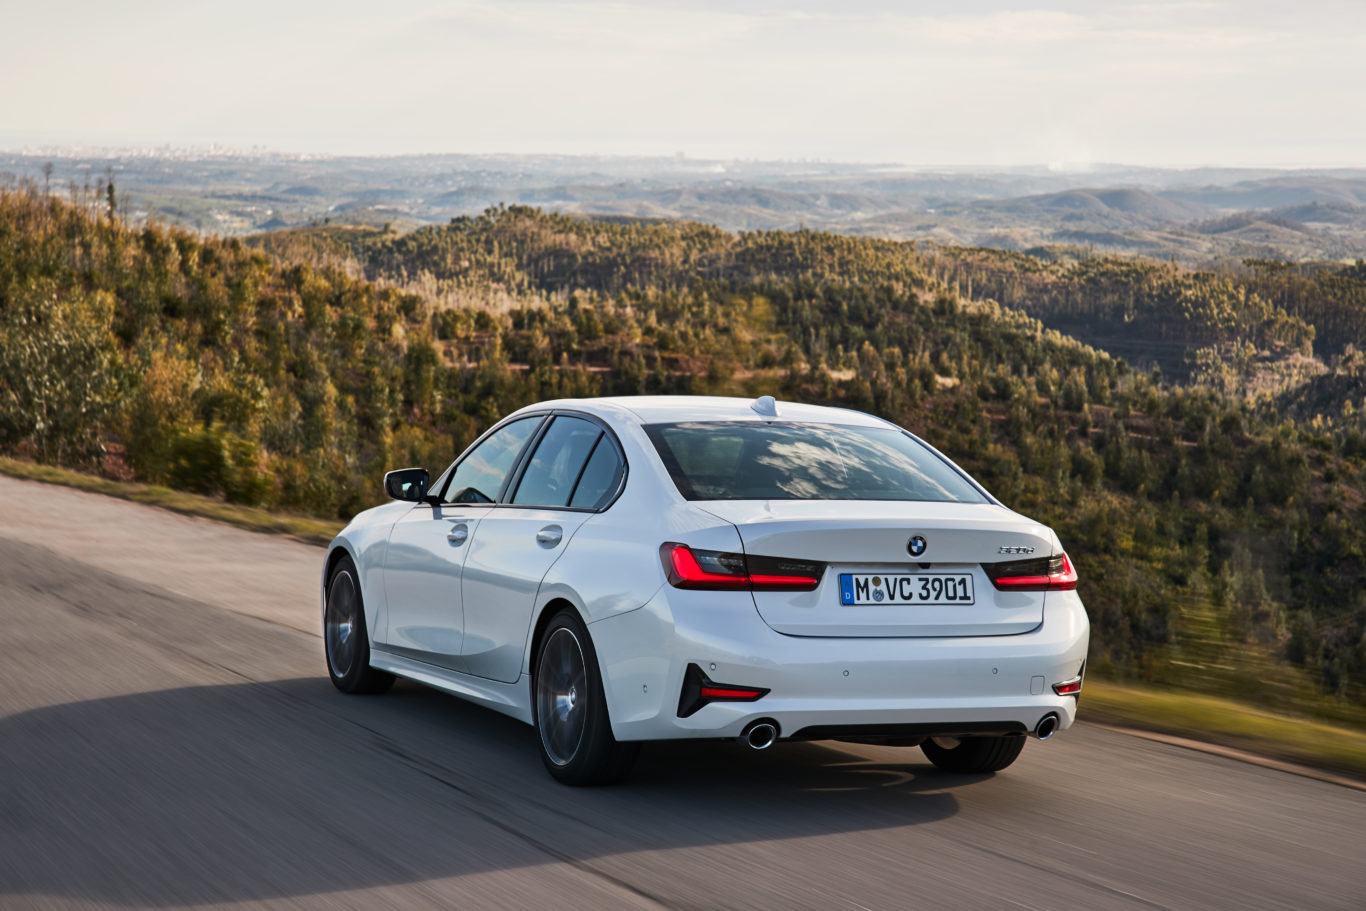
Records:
x=1228, y=723
x=314, y=531
x=1206, y=718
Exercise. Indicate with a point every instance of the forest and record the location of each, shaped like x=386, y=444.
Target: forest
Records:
x=1208, y=482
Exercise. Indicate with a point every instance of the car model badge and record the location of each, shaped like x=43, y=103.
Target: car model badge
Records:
x=916, y=546
x=1015, y=550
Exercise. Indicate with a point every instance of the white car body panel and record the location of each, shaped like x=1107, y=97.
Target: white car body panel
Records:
x=891, y=680
x=509, y=555
x=423, y=565
x=870, y=537
x=937, y=670
x=508, y=698
x=366, y=540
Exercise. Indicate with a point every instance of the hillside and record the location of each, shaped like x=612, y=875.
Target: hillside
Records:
x=1335, y=398
x=1220, y=546
x=1130, y=201
x=1175, y=318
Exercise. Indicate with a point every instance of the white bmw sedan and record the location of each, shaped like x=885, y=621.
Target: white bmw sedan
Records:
x=619, y=570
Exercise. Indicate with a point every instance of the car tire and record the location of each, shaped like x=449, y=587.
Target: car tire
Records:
x=974, y=755
x=346, y=641
x=569, y=708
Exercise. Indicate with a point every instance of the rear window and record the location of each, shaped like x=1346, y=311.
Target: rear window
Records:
x=721, y=460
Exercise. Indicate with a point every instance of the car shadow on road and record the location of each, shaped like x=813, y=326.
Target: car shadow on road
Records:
x=266, y=790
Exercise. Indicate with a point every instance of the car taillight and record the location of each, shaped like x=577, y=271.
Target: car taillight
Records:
x=1040, y=574
x=689, y=567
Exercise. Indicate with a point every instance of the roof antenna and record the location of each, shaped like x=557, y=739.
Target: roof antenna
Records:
x=766, y=406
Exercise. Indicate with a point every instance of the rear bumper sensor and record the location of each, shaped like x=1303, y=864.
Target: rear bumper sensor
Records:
x=698, y=690
x=928, y=729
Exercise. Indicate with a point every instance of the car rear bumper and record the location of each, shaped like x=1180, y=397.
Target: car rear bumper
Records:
x=822, y=687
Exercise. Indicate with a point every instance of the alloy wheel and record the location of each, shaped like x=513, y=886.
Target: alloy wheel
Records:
x=561, y=696
x=340, y=624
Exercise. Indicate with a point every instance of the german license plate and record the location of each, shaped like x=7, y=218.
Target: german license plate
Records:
x=906, y=588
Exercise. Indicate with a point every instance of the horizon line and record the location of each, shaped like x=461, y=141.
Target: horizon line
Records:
x=213, y=149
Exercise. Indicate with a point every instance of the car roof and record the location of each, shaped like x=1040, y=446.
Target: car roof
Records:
x=652, y=409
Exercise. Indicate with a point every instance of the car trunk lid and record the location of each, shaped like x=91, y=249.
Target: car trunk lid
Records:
x=865, y=546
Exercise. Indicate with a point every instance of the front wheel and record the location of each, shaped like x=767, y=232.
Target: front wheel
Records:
x=345, y=638
x=571, y=716
x=973, y=754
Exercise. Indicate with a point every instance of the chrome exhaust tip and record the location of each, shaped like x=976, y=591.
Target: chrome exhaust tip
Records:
x=1047, y=726
x=760, y=735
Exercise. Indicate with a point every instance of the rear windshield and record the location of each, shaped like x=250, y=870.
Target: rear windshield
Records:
x=749, y=460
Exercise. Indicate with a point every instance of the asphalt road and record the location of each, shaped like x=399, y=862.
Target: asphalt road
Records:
x=168, y=738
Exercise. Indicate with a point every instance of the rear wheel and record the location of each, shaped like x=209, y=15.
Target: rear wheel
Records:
x=974, y=754
x=570, y=709
x=345, y=637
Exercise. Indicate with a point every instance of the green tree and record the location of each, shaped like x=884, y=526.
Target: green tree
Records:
x=58, y=373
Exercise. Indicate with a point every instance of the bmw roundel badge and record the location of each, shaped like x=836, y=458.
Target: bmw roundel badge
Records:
x=916, y=546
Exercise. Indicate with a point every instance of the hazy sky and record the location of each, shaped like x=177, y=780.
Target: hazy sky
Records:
x=982, y=83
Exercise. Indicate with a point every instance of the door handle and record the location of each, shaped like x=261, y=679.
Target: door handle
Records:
x=549, y=536
x=458, y=534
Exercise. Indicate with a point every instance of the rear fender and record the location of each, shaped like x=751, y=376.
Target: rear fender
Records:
x=612, y=567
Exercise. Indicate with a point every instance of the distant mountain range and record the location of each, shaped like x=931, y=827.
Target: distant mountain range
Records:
x=1193, y=216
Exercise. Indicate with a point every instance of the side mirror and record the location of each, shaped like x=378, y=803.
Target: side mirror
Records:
x=409, y=484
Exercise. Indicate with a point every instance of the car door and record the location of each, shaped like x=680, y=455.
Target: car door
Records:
x=428, y=546
x=573, y=470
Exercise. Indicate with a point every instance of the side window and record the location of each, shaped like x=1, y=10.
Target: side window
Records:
x=480, y=475
x=556, y=464
x=599, y=479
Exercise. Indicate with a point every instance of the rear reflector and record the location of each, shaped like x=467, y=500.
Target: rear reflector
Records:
x=699, y=691
x=1040, y=574
x=1068, y=687
x=728, y=692
x=688, y=567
